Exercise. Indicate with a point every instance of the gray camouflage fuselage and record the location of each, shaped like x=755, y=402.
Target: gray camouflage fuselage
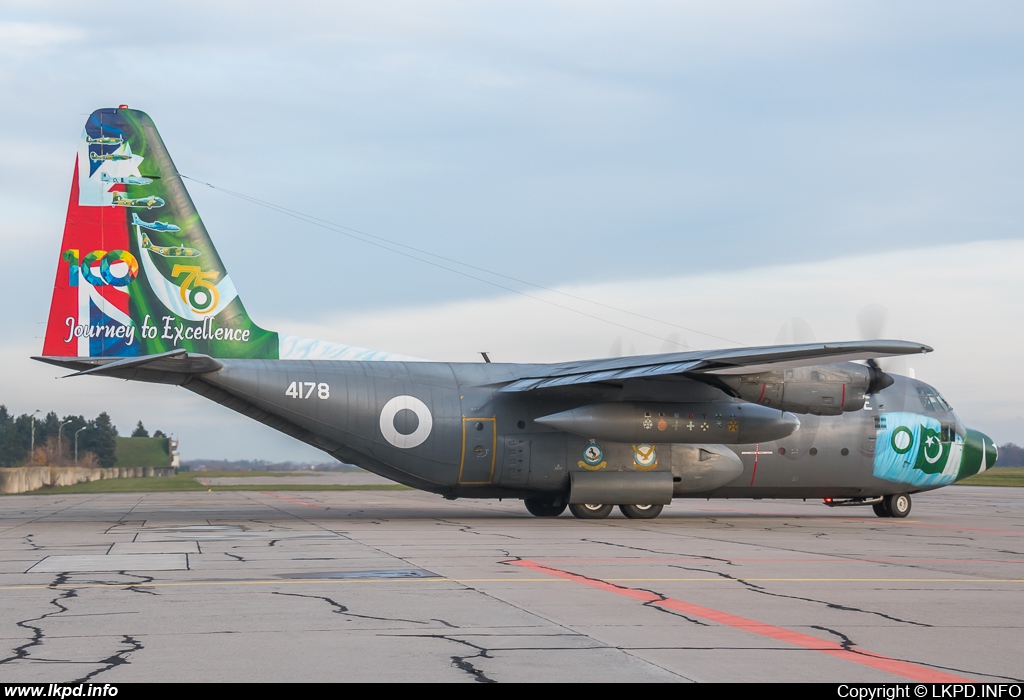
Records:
x=484, y=443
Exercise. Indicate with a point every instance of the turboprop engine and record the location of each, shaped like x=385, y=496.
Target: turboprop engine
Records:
x=720, y=422
x=823, y=390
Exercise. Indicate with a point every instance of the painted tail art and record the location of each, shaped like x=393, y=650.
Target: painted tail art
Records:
x=138, y=275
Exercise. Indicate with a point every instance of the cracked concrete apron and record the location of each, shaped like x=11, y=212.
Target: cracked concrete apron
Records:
x=403, y=586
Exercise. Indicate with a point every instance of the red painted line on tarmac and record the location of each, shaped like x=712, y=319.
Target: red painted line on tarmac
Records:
x=906, y=669
x=293, y=500
x=823, y=559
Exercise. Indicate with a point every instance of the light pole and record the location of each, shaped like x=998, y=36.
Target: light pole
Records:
x=60, y=429
x=76, y=441
x=32, y=449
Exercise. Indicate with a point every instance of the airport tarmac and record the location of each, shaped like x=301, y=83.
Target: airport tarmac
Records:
x=404, y=586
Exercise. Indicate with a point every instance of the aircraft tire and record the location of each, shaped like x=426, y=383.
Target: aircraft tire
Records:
x=641, y=512
x=880, y=510
x=898, y=505
x=550, y=507
x=590, y=511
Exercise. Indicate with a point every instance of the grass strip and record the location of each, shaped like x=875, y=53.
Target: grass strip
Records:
x=998, y=476
x=187, y=481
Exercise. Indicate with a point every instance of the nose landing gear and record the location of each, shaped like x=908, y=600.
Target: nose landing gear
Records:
x=895, y=506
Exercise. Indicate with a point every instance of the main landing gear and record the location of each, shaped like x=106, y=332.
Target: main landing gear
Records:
x=549, y=507
x=648, y=512
x=553, y=506
x=590, y=511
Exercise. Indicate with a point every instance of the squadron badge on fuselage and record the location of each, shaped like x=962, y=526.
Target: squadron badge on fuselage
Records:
x=593, y=457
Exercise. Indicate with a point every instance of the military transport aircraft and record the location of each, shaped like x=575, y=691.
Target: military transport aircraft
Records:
x=785, y=421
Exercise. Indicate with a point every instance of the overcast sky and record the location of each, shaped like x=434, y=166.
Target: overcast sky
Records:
x=724, y=167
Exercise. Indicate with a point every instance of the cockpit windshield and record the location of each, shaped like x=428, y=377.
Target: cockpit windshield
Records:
x=931, y=401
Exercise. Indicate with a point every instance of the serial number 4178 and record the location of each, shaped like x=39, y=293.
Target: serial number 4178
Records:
x=304, y=390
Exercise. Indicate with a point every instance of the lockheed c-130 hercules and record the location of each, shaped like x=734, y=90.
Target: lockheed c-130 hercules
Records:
x=784, y=421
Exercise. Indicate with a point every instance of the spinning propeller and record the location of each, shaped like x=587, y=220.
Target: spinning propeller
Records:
x=870, y=321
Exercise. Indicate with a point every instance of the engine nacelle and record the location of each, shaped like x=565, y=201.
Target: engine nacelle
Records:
x=822, y=390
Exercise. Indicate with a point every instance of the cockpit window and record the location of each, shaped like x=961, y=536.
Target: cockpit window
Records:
x=931, y=401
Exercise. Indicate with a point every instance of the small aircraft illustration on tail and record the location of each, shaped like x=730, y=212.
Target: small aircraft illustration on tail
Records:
x=127, y=180
x=93, y=155
x=784, y=421
x=154, y=225
x=175, y=251
x=104, y=140
x=148, y=202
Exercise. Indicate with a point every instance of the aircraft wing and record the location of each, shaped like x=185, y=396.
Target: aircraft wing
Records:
x=734, y=361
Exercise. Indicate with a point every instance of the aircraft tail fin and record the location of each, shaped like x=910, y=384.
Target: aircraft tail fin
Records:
x=138, y=274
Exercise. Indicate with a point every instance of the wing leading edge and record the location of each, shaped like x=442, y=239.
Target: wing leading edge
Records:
x=715, y=362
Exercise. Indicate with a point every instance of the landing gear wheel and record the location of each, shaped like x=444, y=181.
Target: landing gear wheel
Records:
x=590, y=511
x=639, y=512
x=880, y=510
x=550, y=507
x=898, y=505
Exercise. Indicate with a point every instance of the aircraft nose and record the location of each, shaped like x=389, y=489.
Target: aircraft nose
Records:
x=980, y=453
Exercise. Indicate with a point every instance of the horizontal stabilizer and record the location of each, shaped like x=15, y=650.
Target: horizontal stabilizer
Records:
x=177, y=362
